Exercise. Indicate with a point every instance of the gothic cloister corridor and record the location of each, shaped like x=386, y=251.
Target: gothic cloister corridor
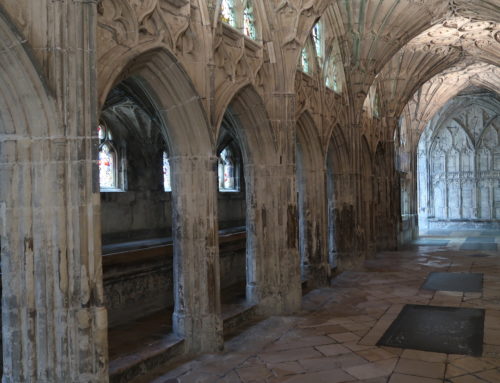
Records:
x=333, y=338
x=249, y=191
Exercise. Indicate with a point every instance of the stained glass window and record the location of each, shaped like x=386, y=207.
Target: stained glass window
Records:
x=249, y=21
x=227, y=171
x=107, y=159
x=227, y=12
x=304, y=61
x=167, y=186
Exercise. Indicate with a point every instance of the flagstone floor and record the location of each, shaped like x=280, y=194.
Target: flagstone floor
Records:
x=333, y=339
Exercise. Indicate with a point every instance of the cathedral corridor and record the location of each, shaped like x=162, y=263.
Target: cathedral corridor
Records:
x=334, y=337
x=250, y=191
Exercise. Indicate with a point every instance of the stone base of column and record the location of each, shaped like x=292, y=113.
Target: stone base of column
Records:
x=350, y=260
x=371, y=249
x=201, y=334
x=319, y=275
x=283, y=300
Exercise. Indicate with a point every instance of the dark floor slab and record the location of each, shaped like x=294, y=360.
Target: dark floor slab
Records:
x=494, y=233
x=479, y=255
x=448, y=330
x=479, y=246
x=431, y=242
x=480, y=240
x=465, y=282
x=439, y=232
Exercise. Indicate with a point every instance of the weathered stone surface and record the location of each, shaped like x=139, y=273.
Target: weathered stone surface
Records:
x=330, y=174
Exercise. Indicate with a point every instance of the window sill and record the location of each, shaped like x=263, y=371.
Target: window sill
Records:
x=112, y=190
x=337, y=92
x=308, y=74
x=236, y=34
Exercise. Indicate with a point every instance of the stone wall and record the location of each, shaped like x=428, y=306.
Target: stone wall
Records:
x=61, y=61
x=136, y=289
x=137, y=215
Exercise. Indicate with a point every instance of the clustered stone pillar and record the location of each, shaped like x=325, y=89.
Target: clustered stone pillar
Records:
x=311, y=182
x=197, y=315
x=54, y=321
x=286, y=257
x=273, y=281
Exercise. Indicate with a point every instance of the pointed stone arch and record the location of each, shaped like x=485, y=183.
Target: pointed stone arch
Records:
x=159, y=79
x=267, y=287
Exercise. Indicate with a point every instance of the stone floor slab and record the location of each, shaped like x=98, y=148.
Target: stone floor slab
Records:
x=479, y=246
x=401, y=378
x=481, y=239
x=332, y=376
x=420, y=368
x=372, y=370
x=461, y=282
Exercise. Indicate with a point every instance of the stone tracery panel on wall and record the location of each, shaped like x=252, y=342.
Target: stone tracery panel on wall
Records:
x=462, y=148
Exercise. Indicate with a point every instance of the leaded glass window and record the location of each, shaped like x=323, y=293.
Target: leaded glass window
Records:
x=107, y=159
x=376, y=105
x=304, y=61
x=227, y=12
x=249, y=21
x=332, y=78
x=318, y=42
x=227, y=171
x=167, y=185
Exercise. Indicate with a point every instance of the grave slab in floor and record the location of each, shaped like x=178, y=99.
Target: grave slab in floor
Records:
x=448, y=330
x=479, y=246
x=479, y=255
x=464, y=282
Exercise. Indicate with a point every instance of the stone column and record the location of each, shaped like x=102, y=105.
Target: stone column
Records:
x=274, y=262
x=54, y=320
x=197, y=315
x=313, y=224
x=351, y=219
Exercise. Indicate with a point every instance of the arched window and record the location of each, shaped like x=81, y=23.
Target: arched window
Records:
x=317, y=35
x=312, y=53
x=305, y=64
x=332, y=76
x=108, y=159
x=167, y=183
x=228, y=171
x=249, y=21
x=371, y=104
x=334, y=70
x=228, y=12
x=376, y=105
x=240, y=15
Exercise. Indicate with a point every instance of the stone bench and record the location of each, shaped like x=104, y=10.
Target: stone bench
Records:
x=138, y=275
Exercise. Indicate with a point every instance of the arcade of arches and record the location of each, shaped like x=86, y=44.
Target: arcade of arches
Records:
x=173, y=171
